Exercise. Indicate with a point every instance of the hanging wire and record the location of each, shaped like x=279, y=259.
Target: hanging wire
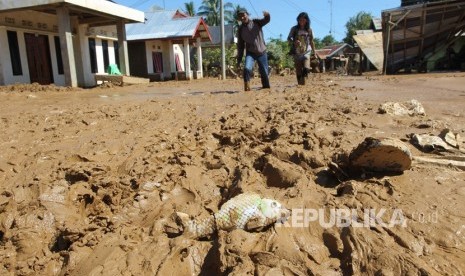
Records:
x=266, y=27
x=314, y=19
x=298, y=8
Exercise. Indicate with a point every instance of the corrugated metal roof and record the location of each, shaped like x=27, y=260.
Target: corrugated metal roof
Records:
x=215, y=33
x=329, y=51
x=377, y=24
x=359, y=32
x=372, y=47
x=96, y=11
x=323, y=53
x=165, y=25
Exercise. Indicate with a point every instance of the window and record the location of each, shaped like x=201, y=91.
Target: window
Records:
x=59, y=57
x=116, y=46
x=93, y=56
x=106, y=57
x=14, y=53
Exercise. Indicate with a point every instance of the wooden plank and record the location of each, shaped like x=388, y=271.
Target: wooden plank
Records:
x=110, y=78
x=134, y=80
x=441, y=161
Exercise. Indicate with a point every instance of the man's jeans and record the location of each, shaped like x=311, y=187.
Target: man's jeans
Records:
x=262, y=61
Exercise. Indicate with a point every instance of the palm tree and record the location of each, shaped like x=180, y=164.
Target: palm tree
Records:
x=361, y=21
x=210, y=10
x=189, y=8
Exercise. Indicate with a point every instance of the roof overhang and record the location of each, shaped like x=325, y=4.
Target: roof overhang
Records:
x=323, y=53
x=372, y=47
x=95, y=12
x=202, y=31
x=177, y=34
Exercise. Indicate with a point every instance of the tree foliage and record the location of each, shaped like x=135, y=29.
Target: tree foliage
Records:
x=189, y=8
x=212, y=59
x=361, y=21
x=278, y=56
x=210, y=11
x=328, y=40
x=318, y=43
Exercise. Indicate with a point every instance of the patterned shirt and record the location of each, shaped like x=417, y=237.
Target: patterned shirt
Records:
x=302, y=35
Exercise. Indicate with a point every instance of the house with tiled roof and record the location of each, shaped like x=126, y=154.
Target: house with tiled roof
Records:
x=333, y=56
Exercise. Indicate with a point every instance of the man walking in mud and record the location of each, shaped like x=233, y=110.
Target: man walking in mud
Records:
x=250, y=37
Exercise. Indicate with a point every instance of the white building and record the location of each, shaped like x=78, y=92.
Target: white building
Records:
x=168, y=45
x=64, y=42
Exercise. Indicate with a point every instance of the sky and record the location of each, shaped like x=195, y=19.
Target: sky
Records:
x=284, y=12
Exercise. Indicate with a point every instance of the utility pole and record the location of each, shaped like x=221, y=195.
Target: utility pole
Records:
x=331, y=17
x=223, y=54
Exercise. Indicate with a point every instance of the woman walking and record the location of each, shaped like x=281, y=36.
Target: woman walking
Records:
x=302, y=46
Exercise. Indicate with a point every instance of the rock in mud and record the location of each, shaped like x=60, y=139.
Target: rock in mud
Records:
x=381, y=155
x=451, y=138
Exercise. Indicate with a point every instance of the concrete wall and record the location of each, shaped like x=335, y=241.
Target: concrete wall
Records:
x=7, y=71
x=45, y=24
x=150, y=47
x=26, y=22
x=168, y=60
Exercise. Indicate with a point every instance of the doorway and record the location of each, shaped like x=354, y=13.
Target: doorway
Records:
x=38, y=58
x=157, y=59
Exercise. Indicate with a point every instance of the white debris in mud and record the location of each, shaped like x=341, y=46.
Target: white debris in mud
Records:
x=410, y=108
x=246, y=211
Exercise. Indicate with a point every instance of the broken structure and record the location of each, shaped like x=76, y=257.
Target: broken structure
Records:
x=424, y=35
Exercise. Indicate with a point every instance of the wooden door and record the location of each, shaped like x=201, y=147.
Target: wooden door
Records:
x=157, y=60
x=38, y=58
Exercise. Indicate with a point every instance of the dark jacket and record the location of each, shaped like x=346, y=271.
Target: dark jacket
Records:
x=250, y=37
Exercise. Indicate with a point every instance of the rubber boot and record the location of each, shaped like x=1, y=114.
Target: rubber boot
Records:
x=300, y=80
x=306, y=71
x=247, y=86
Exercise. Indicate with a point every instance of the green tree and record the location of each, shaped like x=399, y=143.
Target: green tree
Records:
x=361, y=21
x=318, y=43
x=212, y=57
x=210, y=11
x=189, y=8
x=278, y=56
x=328, y=40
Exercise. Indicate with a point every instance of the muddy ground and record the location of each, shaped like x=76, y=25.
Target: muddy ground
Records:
x=89, y=177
